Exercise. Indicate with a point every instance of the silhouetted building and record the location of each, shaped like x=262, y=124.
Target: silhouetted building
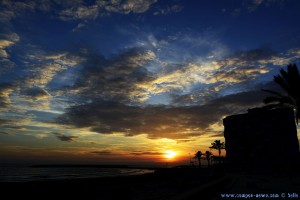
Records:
x=262, y=137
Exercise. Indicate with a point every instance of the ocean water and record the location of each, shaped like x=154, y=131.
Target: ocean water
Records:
x=25, y=174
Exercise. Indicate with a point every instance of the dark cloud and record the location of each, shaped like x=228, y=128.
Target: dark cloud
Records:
x=5, y=122
x=209, y=94
x=108, y=88
x=37, y=93
x=64, y=138
x=221, y=134
x=101, y=152
x=184, y=140
x=197, y=96
x=143, y=153
x=5, y=133
x=255, y=54
x=114, y=78
x=158, y=121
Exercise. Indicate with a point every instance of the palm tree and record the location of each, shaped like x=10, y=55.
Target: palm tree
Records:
x=289, y=81
x=217, y=144
x=198, y=155
x=208, y=155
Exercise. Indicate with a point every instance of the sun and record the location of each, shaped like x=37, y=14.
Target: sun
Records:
x=169, y=154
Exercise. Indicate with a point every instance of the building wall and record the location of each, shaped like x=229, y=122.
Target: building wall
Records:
x=262, y=137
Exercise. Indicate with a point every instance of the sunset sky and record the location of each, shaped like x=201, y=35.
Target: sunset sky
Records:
x=133, y=81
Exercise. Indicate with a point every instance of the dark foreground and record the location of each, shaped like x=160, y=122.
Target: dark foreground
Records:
x=169, y=184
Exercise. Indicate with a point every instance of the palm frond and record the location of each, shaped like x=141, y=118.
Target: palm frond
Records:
x=288, y=100
x=294, y=79
x=272, y=92
x=282, y=83
x=272, y=99
x=288, y=80
x=271, y=106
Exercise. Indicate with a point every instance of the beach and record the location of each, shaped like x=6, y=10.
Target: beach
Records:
x=168, y=184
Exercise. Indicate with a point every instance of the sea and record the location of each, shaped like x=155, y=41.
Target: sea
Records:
x=26, y=174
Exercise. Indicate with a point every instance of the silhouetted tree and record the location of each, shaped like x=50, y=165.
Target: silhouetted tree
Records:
x=208, y=155
x=198, y=156
x=217, y=144
x=290, y=82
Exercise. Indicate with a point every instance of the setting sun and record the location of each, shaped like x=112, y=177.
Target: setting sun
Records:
x=169, y=154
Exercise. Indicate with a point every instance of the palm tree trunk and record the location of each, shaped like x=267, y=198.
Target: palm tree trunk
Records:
x=219, y=156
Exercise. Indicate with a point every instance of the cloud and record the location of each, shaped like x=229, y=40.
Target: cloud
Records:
x=79, y=26
x=168, y=10
x=243, y=66
x=9, y=40
x=41, y=71
x=247, y=65
x=11, y=9
x=5, y=91
x=107, y=88
x=108, y=117
x=5, y=133
x=65, y=138
x=116, y=77
x=101, y=152
x=84, y=13
x=23, y=6
x=127, y=6
x=43, y=74
x=76, y=10
x=6, y=16
x=3, y=45
x=5, y=122
x=207, y=77
x=37, y=93
x=240, y=67
x=14, y=121
x=80, y=13
x=143, y=153
x=45, y=67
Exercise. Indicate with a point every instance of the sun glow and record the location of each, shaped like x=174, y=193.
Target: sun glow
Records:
x=170, y=154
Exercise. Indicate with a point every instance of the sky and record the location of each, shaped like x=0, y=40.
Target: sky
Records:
x=129, y=81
